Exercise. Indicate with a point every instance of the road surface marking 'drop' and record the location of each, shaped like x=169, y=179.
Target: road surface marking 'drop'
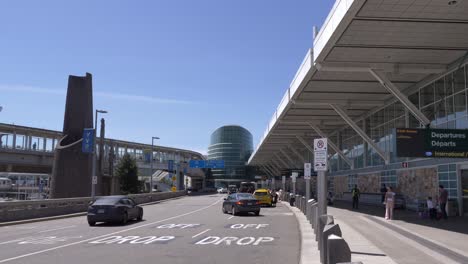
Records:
x=229, y=241
x=133, y=240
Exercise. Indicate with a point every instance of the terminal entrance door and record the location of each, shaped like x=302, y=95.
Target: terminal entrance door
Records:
x=464, y=190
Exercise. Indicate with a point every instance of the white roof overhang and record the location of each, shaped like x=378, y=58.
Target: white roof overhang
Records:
x=412, y=42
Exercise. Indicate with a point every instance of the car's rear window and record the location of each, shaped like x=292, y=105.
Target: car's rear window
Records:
x=245, y=196
x=106, y=201
x=261, y=193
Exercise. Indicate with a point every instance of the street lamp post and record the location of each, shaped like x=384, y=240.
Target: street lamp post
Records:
x=152, y=150
x=93, y=185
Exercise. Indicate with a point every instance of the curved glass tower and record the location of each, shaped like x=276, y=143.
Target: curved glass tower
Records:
x=234, y=145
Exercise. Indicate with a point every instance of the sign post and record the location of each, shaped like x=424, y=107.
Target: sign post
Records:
x=320, y=166
x=283, y=182
x=307, y=173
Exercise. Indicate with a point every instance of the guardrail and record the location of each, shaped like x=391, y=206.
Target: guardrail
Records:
x=22, y=210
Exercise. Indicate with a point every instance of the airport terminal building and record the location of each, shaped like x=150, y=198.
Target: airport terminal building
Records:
x=234, y=145
x=377, y=66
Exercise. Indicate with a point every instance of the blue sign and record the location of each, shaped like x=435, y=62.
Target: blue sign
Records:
x=215, y=164
x=170, y=165
x=199, y=164
x=207, y=164
x=87, y=146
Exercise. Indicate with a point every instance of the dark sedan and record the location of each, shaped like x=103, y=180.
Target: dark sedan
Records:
x=114, y=209
x=241, y=203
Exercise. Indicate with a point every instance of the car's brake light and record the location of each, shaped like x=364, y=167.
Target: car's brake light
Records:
x=239, y=203
x=258, y=202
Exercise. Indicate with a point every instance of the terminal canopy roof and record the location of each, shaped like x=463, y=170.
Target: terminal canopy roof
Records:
x=409, y=43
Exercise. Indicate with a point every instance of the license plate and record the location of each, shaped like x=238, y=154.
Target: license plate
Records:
x=249, y=203
x=100, y=211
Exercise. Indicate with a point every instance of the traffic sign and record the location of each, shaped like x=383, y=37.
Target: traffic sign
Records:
x=174, y=178
x=197, y=164
x=307, y=170
x=94, y=179
x=283, y=179
x=87, y=145
x=173, y=189
x=320, y=154
x=294, y=176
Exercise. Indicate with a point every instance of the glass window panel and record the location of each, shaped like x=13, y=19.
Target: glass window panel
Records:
x=390, y=112
x=459, y=104
x=453, y=167
x=444, y=176
x=427, y=95
x=449, y=108
x=453, y=176
x=440, y=91
x=428, y=111
x=452, y=193
x=399, y=110
x=451, y=125
x=444, y=183
x=459, y=80
x=413, y=122
x=461, y=123
x=414, y=98
x=449, y=85
x=440, y=111
x=443, y=168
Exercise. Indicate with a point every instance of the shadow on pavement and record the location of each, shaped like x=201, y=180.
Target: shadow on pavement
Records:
x=114, y=224
x=455, y=224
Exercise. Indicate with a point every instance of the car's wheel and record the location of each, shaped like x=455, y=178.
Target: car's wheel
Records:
x=257, y=213
x=140, y=216
x=91, y=223
x=234, y=210
x=125, y=218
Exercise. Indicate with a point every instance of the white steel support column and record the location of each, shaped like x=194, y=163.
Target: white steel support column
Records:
x=297, y=154
x=387, y=84
x=281, y=161
x=305, y=144
x=332, y=145
x=288, y=157
x=340, y=111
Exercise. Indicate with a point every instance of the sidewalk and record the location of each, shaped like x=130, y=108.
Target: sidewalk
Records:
x=407, y=239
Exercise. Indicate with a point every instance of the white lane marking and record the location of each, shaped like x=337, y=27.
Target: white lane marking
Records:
x=201, y=233
x=110, y=234
x=229, y=218
x=60, y=228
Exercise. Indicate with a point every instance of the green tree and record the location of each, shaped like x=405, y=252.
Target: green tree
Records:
x=127, y=171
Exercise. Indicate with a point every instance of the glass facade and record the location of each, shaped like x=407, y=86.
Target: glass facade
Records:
x=234, y=145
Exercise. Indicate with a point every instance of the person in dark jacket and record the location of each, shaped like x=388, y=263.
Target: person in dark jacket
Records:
x=355, y=194
x=443, y=197
x=383, y=191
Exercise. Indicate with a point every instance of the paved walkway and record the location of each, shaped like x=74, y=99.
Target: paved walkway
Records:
x=406, y=239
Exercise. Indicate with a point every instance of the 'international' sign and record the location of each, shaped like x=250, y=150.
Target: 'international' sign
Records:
x=436, y=143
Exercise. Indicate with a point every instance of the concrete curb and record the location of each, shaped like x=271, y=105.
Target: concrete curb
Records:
x=27, y=221
x=309, y=247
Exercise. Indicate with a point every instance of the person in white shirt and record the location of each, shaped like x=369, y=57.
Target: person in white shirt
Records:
x=389, y=203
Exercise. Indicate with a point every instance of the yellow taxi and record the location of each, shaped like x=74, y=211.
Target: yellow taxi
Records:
x=263, y=196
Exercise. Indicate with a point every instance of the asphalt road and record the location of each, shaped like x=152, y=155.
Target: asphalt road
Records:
x=185, y=230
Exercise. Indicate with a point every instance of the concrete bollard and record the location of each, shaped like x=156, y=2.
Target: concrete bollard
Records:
x=309, y=209
x=338, y=250
x=333, y=229
x=314, y=215
x=323, y=220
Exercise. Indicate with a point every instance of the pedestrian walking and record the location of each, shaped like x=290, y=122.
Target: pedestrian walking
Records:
x=355, y=194
x=431, y=208
x=383, y=191
x=389, y=203
x=443, y=197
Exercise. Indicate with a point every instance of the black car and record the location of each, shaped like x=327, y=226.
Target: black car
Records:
x=241, y=203
x=114, y=209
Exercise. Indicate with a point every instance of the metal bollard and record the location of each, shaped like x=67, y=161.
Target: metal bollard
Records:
x=338, y=250
x=323, y=220
x=298, y=200
x=314, y=215
x=304, y=204
x=332, y=229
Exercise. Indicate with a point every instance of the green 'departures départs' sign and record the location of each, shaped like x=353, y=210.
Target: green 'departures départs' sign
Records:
x=436, y=143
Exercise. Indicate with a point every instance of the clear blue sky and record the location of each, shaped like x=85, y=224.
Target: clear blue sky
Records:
x=174, y=69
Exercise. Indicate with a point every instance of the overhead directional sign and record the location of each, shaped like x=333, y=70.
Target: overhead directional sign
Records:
x=320, y=154
x=87, y=146
x=207, y=164
x=307, y=171
x=437, y=143
x=294, y=176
